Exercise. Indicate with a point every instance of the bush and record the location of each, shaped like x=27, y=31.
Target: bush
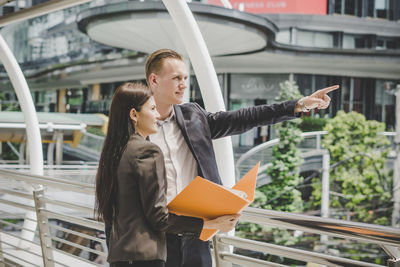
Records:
x=310, y=124
x=360, y=185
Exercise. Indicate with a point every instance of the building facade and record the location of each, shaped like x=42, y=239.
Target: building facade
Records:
x=353, y=43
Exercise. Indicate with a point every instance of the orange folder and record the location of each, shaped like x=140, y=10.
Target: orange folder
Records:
x=207, y=200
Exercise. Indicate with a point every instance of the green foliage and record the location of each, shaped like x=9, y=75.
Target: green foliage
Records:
x=284, y=173
x=281, y=194
x=362, y=189
x=95, y=130
x=312, y=123
x=7, y=153
x=289, y=91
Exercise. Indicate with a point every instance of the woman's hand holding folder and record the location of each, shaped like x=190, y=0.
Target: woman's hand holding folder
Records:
x=223, y=223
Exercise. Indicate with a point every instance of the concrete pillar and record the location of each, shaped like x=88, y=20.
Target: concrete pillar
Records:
x=61, y=100
x=96, y=92
x=59, y=147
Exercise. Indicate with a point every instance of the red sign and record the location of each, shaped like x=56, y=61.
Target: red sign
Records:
x=318, y=7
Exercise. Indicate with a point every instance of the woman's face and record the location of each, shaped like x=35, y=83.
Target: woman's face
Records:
x=147, y=118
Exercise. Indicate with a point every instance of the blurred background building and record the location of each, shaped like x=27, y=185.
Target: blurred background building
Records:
x=74, y=59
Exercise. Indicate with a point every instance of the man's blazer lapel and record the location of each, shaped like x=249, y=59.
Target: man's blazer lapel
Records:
x=180, y=120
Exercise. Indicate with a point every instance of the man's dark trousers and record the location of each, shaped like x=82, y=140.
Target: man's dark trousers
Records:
x=187, y=251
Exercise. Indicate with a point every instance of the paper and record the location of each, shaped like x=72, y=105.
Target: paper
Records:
x=207, y=200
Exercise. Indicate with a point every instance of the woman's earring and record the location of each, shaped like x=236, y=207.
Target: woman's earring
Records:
x=134, y=125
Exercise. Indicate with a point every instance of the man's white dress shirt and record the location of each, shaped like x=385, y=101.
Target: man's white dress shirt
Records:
x=180, y=165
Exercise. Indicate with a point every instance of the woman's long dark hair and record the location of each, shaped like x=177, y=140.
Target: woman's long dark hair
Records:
x=120, y=128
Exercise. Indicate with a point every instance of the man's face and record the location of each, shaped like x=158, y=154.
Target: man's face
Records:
x=170, y=83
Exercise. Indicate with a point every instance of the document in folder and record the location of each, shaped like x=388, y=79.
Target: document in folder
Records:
x=207, y=200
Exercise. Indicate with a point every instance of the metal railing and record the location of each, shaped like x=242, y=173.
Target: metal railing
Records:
x=387, y=237
x=92, y=142
x=64, y=209
x=66, y=235
x=263, y=152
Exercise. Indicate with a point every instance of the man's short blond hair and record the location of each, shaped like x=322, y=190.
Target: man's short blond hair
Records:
x=156, y=59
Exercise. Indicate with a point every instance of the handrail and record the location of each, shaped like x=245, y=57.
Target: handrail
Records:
x=76, y=220
x=271, y=143
x=387, y=237
x=377, y=234
x=49, y=181
x=299, y=254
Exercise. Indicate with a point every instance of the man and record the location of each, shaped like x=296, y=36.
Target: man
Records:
x=185, y=137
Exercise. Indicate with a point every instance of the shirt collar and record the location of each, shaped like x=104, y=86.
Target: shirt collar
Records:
x=168, y=119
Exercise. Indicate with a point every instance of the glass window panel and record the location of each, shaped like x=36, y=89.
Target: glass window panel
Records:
x=323, y=39
x=378, y=112
x=379, y=92
x=350, y=7
x=390, y=117
x=345, y=90
x=338, y=6
x=320, y=82
x=380, y=44
x=305, y=38
x=390, y=44
x=359, y=8
x=380, y=4
x=381, y=8
x=304, y=83
x=358, y=90
x=357, y=107
x=283, y=37
x=252, y=86
x=360, y=42
x=348, y=41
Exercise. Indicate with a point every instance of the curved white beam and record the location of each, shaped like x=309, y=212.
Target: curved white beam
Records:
x=25, y=100
x=207, y=78
x=32, y=126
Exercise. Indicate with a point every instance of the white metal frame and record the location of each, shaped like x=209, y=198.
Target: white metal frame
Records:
x=207, y=77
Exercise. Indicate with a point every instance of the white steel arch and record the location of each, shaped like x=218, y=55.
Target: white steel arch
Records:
x=207, y=77
x=31, y=121
x=28, y=108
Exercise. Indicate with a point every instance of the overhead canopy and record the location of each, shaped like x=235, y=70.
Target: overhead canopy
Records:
x=147, y=26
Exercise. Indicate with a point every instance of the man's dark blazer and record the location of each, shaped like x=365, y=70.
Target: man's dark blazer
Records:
x=199, y=127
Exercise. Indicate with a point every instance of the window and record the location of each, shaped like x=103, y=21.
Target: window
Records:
x=314, y=39
x=371, y=8
x=381, y=8
x=349, y=7
x=348, y=41
x=283, y=37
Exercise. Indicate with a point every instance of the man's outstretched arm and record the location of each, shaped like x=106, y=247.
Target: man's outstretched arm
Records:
x=239, y=121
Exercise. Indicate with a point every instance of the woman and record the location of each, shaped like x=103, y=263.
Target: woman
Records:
x=131, y=185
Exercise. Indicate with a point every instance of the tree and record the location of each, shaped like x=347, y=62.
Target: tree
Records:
x=280, y=194
x=361, y=187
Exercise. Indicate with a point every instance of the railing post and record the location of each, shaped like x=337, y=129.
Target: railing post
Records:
x=393, y=263
x=396, y=174
x=325, y=189
x=44, y=229
x=2, y=263
x=318, y=142
x=218, y=248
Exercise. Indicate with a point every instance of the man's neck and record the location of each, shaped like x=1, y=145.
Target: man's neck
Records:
x=164, y=110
